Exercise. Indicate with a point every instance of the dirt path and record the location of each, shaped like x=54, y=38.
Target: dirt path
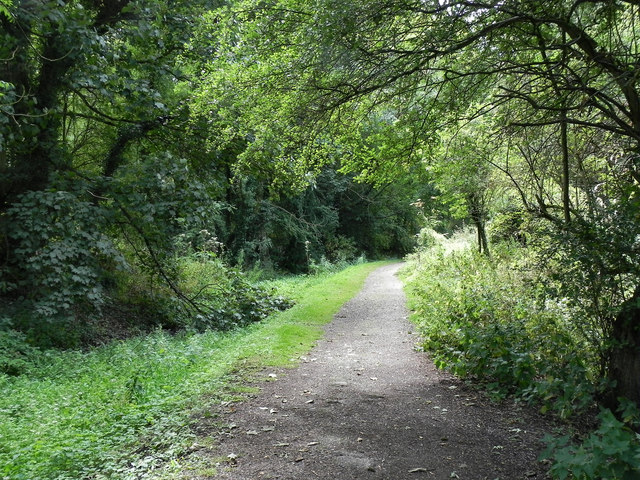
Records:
x=365, y=405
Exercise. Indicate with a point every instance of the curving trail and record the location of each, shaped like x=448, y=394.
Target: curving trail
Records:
x=364, y=404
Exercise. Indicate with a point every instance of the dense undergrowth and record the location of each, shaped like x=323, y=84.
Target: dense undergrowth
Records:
x=492, y=319
x=125, y=410
x=211, y=296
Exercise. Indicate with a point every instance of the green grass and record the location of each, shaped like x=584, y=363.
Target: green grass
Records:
x=125, y=410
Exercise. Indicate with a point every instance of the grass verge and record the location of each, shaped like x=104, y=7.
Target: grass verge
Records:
x=126, y=410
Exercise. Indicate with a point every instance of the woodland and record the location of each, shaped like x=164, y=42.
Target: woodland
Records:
x=164, y=164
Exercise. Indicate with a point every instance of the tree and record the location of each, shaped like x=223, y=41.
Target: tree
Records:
x=463, y=174
x=569, y=64
x=91, y=95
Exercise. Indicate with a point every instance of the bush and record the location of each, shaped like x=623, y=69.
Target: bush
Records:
x=225, y=298
x=60, y=253
x=16, y=355
x=508, y=226
x=482, y=319
x=610, y=452
x=429, y=238
x=341, y=249
x=496, y=321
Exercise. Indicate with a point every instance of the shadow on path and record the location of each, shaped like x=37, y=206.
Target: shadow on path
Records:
x=364, y=404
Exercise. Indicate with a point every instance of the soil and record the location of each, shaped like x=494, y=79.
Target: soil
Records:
x=366, y=404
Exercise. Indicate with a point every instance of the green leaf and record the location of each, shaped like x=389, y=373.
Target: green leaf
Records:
x=5, y=9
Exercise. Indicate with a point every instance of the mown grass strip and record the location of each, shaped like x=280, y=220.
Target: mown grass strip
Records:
x=123, y=410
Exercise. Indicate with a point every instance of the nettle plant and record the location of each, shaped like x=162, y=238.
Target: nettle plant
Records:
x=611, y=451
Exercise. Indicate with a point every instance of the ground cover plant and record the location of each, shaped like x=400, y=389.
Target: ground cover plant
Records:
x=124, y=410
x=489, y=320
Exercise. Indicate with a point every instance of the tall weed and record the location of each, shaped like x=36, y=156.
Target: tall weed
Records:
x=482, y=318
x=493, y=320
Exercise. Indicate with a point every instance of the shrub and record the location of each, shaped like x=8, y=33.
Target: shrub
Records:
x=428, y=238
x=341, y=249
x=482, y=319
x=610, y=452
x=508, y=226
x=225, y=298
x=496, y=321
x=60, y=252
x=16, y=355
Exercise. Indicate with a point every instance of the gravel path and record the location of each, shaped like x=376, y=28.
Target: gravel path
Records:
x=364, y=404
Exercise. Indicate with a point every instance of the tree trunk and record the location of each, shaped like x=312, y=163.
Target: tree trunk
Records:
x=483, y=244
x=476, y=212
x=624, y=359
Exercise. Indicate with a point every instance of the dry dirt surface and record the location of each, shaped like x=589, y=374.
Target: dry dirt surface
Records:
x=365, y=404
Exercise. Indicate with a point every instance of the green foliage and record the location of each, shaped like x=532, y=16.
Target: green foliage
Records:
x=220, y=297
x=234, y=302
x=428, y=238
x=612, y=451
x=61, y=259
x=341, y=248
x=496, y=321
x=481, y=319
x=67, y=259
x=61, y=248
x=334, y=217
x=508, y=226
x=16, y=354
x=5, y=7
x=125, y=410
x=160, y=197
x=324, y=265
x=591, y=265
